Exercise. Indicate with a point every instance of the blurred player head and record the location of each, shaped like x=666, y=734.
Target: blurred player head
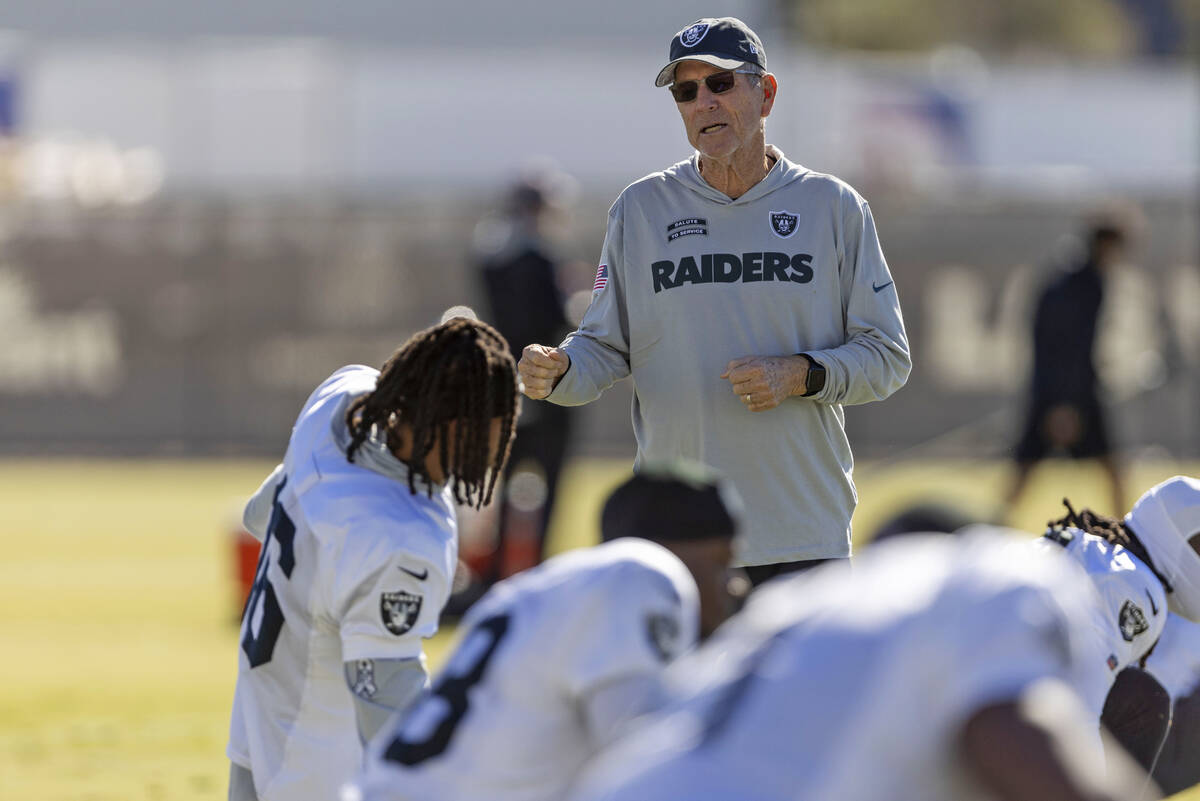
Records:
x=693, y=513
x=933, y=517
x=1166, y=520
x=718, y=76
x=447, y=400
x=1108, y=231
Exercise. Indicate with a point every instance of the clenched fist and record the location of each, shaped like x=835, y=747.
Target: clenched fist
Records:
x=764, y=382
x=540, y=368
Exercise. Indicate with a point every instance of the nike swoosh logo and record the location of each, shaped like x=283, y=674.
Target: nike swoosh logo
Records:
x=1153, y=607
x=424, y=574
x=881, y=288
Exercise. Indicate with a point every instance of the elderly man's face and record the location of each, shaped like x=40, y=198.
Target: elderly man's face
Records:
x=720, y=125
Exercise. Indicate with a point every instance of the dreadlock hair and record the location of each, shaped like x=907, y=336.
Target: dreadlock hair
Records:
x=1107, y=528
x=460, y=372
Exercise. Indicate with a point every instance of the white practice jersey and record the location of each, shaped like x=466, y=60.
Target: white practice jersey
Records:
x=853, y=684
x=354, y=566
x=1128, y=610
x=1175, y=662
x=505, y=720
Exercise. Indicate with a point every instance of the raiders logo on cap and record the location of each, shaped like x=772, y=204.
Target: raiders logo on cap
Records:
x=399, y=610
x=783, y=223
x=690, y=37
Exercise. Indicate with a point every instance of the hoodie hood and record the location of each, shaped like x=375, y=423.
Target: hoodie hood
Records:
x=782, y=173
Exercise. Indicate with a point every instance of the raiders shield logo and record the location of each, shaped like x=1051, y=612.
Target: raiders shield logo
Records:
x=1132, y=621
x=783, y=223
x=692, y=36
x=663, y=633
x=400, y=611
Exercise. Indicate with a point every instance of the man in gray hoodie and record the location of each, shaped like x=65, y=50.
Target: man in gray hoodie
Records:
x=750, y=300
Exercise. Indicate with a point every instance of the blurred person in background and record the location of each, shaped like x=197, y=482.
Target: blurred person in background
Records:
x=518, y=271
x=936, y=668
x=359, y=546
x=556, y=660
x=749, y=298
x=1065, y=415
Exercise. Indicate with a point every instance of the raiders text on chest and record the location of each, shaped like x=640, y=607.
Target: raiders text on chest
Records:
x=728, y=268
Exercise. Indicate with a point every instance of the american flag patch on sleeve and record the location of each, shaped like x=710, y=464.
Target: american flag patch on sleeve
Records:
x=601, y=277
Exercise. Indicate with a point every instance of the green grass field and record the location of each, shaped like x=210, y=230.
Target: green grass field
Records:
x=117, y=603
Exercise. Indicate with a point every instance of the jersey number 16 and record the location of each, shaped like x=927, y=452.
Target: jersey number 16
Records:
x=258, y=641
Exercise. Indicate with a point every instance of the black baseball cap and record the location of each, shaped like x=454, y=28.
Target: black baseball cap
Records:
x=672, y=502
x=724, y=42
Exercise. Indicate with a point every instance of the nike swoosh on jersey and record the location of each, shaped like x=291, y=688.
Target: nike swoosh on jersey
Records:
x=424, y=574
x=881, y=288
x=1153, y=606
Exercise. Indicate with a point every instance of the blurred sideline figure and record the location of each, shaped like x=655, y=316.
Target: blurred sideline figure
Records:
x=518, y=271
x=359, y=547
x=936, y=668
x=555, y=660
x=1065, y=415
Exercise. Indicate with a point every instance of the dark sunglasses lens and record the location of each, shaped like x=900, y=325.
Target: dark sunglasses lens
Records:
x=685, y=92
x=719, y=82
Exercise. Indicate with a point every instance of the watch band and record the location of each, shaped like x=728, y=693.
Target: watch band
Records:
x=814, y=380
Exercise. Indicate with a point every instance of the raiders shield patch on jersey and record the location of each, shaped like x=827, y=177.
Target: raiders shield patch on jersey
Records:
x=663, y=632
x=783, y=223
x=400, y=611
x=1132, y=621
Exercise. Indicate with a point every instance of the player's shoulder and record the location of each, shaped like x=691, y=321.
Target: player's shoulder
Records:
x=636, y=559
x=624, y=571
x=321, y=412
x=352, y=379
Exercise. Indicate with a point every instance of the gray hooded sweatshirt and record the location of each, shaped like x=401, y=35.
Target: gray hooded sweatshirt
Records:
x=690, y=279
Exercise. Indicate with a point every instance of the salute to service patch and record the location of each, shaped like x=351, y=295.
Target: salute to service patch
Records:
x=688, y=226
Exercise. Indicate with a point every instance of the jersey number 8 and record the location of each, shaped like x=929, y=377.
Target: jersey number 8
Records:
x=431, y=724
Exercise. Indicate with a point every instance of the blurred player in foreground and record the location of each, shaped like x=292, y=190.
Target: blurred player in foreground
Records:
x=360, y=544
x=937, y=668
x=557, y=659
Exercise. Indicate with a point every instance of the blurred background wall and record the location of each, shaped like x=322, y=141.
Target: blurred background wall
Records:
x=204, y=210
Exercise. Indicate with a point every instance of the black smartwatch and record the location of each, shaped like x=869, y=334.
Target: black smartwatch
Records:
x=814, y=381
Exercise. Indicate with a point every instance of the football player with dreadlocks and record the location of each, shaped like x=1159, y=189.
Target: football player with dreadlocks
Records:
x=359, y=549
x=1159, y=540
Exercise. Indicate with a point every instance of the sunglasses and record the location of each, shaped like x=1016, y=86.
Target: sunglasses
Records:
x=718, y=83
